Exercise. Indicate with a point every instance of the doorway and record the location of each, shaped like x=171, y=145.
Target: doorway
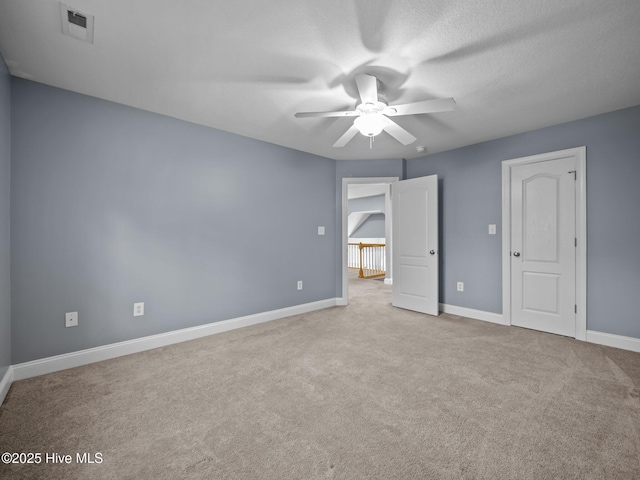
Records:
x=544, y=242
x=384, y=182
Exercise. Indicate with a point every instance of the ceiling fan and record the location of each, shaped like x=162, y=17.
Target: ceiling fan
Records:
x=373, y=113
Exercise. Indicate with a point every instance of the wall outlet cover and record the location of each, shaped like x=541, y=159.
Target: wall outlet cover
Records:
x=138, y=309
x=71, y=319
x=460, y=286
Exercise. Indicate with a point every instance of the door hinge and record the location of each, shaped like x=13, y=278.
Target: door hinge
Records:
x=575, y=174
x=576, y=241
x=575, y=308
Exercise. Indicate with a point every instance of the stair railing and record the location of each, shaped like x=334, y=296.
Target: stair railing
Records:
x=368, y=258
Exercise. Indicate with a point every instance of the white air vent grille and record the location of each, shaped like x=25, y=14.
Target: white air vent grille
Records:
x=76, y=24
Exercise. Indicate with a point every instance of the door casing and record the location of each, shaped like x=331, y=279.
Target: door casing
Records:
x=580, y=155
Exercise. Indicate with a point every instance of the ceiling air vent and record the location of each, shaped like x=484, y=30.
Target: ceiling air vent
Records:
x=76, y=24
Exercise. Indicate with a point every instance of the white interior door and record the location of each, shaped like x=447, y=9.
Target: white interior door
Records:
x=543, y=246
x=415, y=251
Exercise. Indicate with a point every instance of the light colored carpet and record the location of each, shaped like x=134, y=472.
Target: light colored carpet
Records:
x=359, y=392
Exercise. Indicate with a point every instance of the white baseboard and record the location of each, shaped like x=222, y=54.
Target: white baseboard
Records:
x=341, y=302
x=105, y=352
x=601, y=338
x=388, y=281
x=611, y=340
x=471, y=313
x=5, y=383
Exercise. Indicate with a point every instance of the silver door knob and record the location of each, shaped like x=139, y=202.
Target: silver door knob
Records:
x=432, y=252
x=516, y=254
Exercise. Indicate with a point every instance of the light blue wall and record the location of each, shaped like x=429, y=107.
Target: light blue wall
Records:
x=470, y=198
x=5, y=168
x=112, y=205
x=392, y=167
x=363, y=204
x=372, y=227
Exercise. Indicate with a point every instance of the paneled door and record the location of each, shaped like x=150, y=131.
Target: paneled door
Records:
x=543, y=246
x=415, y=251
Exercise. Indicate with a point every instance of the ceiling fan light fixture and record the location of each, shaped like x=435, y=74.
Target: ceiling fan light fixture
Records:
x=370, y=125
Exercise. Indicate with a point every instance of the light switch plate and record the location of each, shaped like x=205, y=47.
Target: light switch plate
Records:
x=492, y=229
x=320, y=230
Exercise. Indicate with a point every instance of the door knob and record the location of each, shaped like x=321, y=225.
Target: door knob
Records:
x=432, y=252
x=516, y=254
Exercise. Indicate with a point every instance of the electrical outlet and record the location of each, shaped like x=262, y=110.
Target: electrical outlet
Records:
x=71, y=319
x=492, y=229
x=460, y=286
x=138, y=309
x=299, y=284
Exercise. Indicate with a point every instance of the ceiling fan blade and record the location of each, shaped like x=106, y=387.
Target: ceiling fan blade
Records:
x=348, y=135
x=351, y=113
x=367, y=88
x=399, y=133
x=426, y=106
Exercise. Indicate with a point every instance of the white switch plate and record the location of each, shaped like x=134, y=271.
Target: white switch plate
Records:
x=492, y=229
x=138, y=309
x=320, y=230
x=299, y=284
x=460, y=286
x=71, y=319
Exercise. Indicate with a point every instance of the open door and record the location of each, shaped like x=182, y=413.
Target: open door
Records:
x=415, y=251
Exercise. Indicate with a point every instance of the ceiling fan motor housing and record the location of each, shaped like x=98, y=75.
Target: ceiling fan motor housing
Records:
x=366, y=108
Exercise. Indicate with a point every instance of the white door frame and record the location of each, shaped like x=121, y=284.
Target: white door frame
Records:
x=345, y=254
x=580, y=154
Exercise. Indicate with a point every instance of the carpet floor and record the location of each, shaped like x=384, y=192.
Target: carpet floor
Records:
x=364, y=391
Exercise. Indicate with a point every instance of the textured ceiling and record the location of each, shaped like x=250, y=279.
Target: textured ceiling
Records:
x=247, y=66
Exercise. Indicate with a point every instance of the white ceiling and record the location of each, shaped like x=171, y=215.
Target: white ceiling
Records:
x=247, y=66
